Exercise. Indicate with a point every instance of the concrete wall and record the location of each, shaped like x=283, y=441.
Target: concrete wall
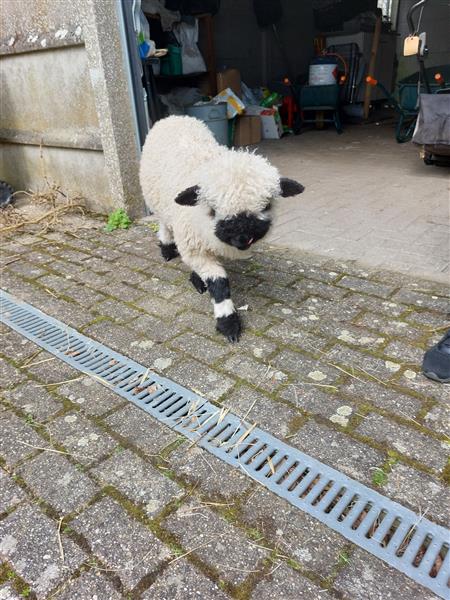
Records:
x=435, y=21
x=241, y=44
x=66, y=107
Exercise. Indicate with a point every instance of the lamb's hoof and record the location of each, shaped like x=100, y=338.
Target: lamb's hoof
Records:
x=230, y=327
x=198, y=283
x=169, y=251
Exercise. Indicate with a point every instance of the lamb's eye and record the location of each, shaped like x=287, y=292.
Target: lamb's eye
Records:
x=212, y=213
x=267, y=207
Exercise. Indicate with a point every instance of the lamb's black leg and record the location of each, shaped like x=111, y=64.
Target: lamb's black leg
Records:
x=169, y=251
x=198, y=282
x=227, y=319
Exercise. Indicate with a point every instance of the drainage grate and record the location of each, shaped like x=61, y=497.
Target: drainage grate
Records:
x=413, y=545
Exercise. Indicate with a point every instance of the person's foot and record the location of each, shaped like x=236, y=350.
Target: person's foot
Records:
x=436, y=362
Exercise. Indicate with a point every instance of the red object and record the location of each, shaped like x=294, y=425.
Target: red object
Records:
x=288, y=110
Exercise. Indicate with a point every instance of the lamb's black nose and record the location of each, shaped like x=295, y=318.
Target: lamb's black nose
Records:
x=240, y=241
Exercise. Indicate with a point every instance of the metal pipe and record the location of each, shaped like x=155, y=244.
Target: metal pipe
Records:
x=409, y=15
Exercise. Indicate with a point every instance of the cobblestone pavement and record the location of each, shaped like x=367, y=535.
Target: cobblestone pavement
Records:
x=98, y=500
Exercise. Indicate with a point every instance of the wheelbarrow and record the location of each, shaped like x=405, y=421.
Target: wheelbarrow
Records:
x=407, y=105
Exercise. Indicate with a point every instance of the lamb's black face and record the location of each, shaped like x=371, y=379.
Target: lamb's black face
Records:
x=243, y=230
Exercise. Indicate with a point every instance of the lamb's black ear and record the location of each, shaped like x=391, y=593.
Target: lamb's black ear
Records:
x=189, y=197
x=290, y=187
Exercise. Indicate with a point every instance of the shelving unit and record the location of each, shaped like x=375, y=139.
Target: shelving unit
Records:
x=205, y=80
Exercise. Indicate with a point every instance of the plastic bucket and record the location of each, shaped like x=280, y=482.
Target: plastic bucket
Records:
x=171, y=63
x=323, y=71
x=215, y=117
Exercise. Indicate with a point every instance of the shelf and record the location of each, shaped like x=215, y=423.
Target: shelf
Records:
x=183, y=76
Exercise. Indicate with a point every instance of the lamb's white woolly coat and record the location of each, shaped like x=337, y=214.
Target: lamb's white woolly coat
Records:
x=181, y=152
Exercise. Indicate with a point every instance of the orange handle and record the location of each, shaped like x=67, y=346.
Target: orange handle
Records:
x=371, y=80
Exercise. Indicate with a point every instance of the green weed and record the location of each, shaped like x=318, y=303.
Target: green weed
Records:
x=118, y=220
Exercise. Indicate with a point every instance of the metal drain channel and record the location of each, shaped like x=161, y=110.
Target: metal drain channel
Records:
x=411, y=544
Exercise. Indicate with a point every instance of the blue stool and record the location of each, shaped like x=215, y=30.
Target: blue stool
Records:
x=321, y=98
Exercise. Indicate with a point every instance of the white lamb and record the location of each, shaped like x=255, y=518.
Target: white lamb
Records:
x=210, y=201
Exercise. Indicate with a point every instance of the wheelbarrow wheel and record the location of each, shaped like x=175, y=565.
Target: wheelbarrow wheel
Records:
x=405, y=129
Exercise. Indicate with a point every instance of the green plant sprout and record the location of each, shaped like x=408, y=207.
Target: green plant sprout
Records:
x=118, y=220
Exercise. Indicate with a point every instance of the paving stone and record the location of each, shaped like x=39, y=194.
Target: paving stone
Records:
x=122, y=543
x=338, y=450
x=7, y=593
x=50, y=370
x=172, y=273
x=438, y=419
x=122, y=291
x=10, y=493
x=421, y=492
x=420, y=384
x=134, y=344
x=304, y=368
x=200, y=379
x=425, y=318
x=9, y=375
x=27, y=269
x=69, y=270
x=315, y=401
x=405, y=353
x=436, y=303
x=254, y=321
x=410, y=442
x=85, y=442
x=354, y=360
x=352, y=334
x=141, y=430
x=126, y=275
x=367, y=577
x=162, y=308
x=382, y=396
x=182, y=581
x=17, y=347
x=138, y=480
x=296, y=336
x=116, y=310
x=93, y=398
x=366, y=286
x=27, y=541
x=159, y=288
x=253, y=345
x=381, y=325
x=54, y=479
x=155, y=329
x=15, y=437
x=315, y=310
x=215, y=478
x=34, y=401
x=269, y=274
x=88, y=586
x=98, y=281
x=198, y=322
x=310, y=287
x=67, y=254
x=274, y=417
x=324, y=275
x=386, y=307
x=259, y=374
x=69, y=313
x=200, y=347
x=287, y=584
x=289, y=296
x=293, y=532
x=212, y=537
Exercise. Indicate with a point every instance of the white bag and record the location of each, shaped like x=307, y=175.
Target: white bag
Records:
x=187, y=36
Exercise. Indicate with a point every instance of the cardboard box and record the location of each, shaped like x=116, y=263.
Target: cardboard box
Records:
x=247, y=131
x=229, y=78
x=235, y=106
x=271, y=126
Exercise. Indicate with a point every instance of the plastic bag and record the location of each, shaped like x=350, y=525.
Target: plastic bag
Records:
x=187, y=36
